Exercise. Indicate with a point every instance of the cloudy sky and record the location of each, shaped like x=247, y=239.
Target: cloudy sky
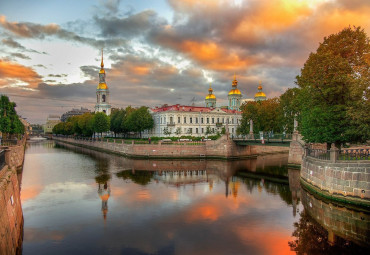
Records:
x=159, y=51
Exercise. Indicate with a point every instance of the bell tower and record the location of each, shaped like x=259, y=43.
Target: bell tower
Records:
x=102, y=91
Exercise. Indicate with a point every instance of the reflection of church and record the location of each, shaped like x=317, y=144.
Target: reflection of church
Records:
x=104, y=194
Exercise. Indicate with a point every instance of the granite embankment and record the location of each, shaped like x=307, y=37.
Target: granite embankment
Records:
x=11, y=215
x=223, y=148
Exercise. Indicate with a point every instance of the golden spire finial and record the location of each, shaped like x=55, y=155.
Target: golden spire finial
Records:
x=234, y=76
x=260, y=86
x=102, y=63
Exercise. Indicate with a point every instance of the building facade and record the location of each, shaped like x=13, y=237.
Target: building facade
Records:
x=102, y=92
x=51, y=121
x=184, y=120
x=73, y=112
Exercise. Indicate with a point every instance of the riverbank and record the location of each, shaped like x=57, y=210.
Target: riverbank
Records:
x=223, y=148
x=11, y=215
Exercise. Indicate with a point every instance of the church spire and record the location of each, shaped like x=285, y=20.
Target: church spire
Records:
x=102, y=63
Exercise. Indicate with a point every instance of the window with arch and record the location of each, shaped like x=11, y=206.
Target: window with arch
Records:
x=103, y=98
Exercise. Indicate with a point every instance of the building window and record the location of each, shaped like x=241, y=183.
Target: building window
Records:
x=161, y=120
x=202, y=130
x=103, y=98
x=232, y=121
x=232, y=130
x=196, y=120
x=190, y=131
x=218, y=120
x=196, y=130
x=191, y=120
x=171, y=119
x=207, y=120
x=201, y=120
x=164, y=120
x=178, y=120
x=213, y=120
x=184, y=119
x=213, y=130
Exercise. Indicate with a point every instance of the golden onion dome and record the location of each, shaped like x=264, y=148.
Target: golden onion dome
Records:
x=259, y=87
x=260, y=94
x=235, y=92
x=102, y=71
x=102, y=86
x=210, y=96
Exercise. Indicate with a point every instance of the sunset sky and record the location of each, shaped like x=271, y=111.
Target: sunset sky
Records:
x=158, y=51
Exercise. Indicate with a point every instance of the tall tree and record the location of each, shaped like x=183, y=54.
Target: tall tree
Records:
x=334, y=82
x=101, y=122
x=9, y=120
x=289, y=107
x=141, y=120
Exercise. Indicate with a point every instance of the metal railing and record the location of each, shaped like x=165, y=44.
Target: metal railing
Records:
x=9, y=142
x=320, y=154
x=2, y=159
x=354, y=154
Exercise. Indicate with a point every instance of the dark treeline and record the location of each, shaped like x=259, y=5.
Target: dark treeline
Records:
x=120, y=122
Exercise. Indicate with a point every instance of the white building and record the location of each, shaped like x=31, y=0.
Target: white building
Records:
x=102, y=92
x=179, y=120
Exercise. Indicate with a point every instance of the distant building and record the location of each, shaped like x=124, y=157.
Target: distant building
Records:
x=73, y=112
x=27, y=125
x=102, y=92
x=51, y=121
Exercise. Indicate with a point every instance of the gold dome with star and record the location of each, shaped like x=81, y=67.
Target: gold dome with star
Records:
x=234, y=90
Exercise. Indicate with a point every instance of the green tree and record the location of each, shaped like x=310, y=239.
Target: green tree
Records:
x=289, y=107
x=178, y=131
x=166, y=131
x=140, y=120
x=101, y=122
x=266, y=116
x=334, y=84
x=86, y=123
x=9, y=120
x=116, y=119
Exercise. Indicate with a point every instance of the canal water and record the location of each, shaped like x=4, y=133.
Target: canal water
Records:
x=79, y=201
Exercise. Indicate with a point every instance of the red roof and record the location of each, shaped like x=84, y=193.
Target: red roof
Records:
x=187, y=108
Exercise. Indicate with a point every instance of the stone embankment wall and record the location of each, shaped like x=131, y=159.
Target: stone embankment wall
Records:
x=221, y=148
x=11, y=215
x=341, y=180
x=337, y=220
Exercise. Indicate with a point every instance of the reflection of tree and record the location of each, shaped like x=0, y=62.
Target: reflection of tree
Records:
x=312, y=238
x=271, y=187
x=102, y=178
x=138, y=177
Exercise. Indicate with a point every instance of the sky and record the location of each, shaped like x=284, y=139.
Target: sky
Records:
x=159, y=51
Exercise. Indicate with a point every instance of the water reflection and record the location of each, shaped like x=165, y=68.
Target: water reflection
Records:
x=157, y=206
x=327, y=228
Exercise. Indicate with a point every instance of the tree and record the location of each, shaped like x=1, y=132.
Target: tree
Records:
x=178, y=131
x=116, y=119
x=101, y=122
x=266, y=116
x=86, y=123
x=140, y=120
x=334, y=94
x=166, y=131
x=289, y=107
x=9, y=120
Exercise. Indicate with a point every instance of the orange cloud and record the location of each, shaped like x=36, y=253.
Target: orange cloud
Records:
x=13, y=73
x=214, y=56
x=30, y=192
x=28, y=30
